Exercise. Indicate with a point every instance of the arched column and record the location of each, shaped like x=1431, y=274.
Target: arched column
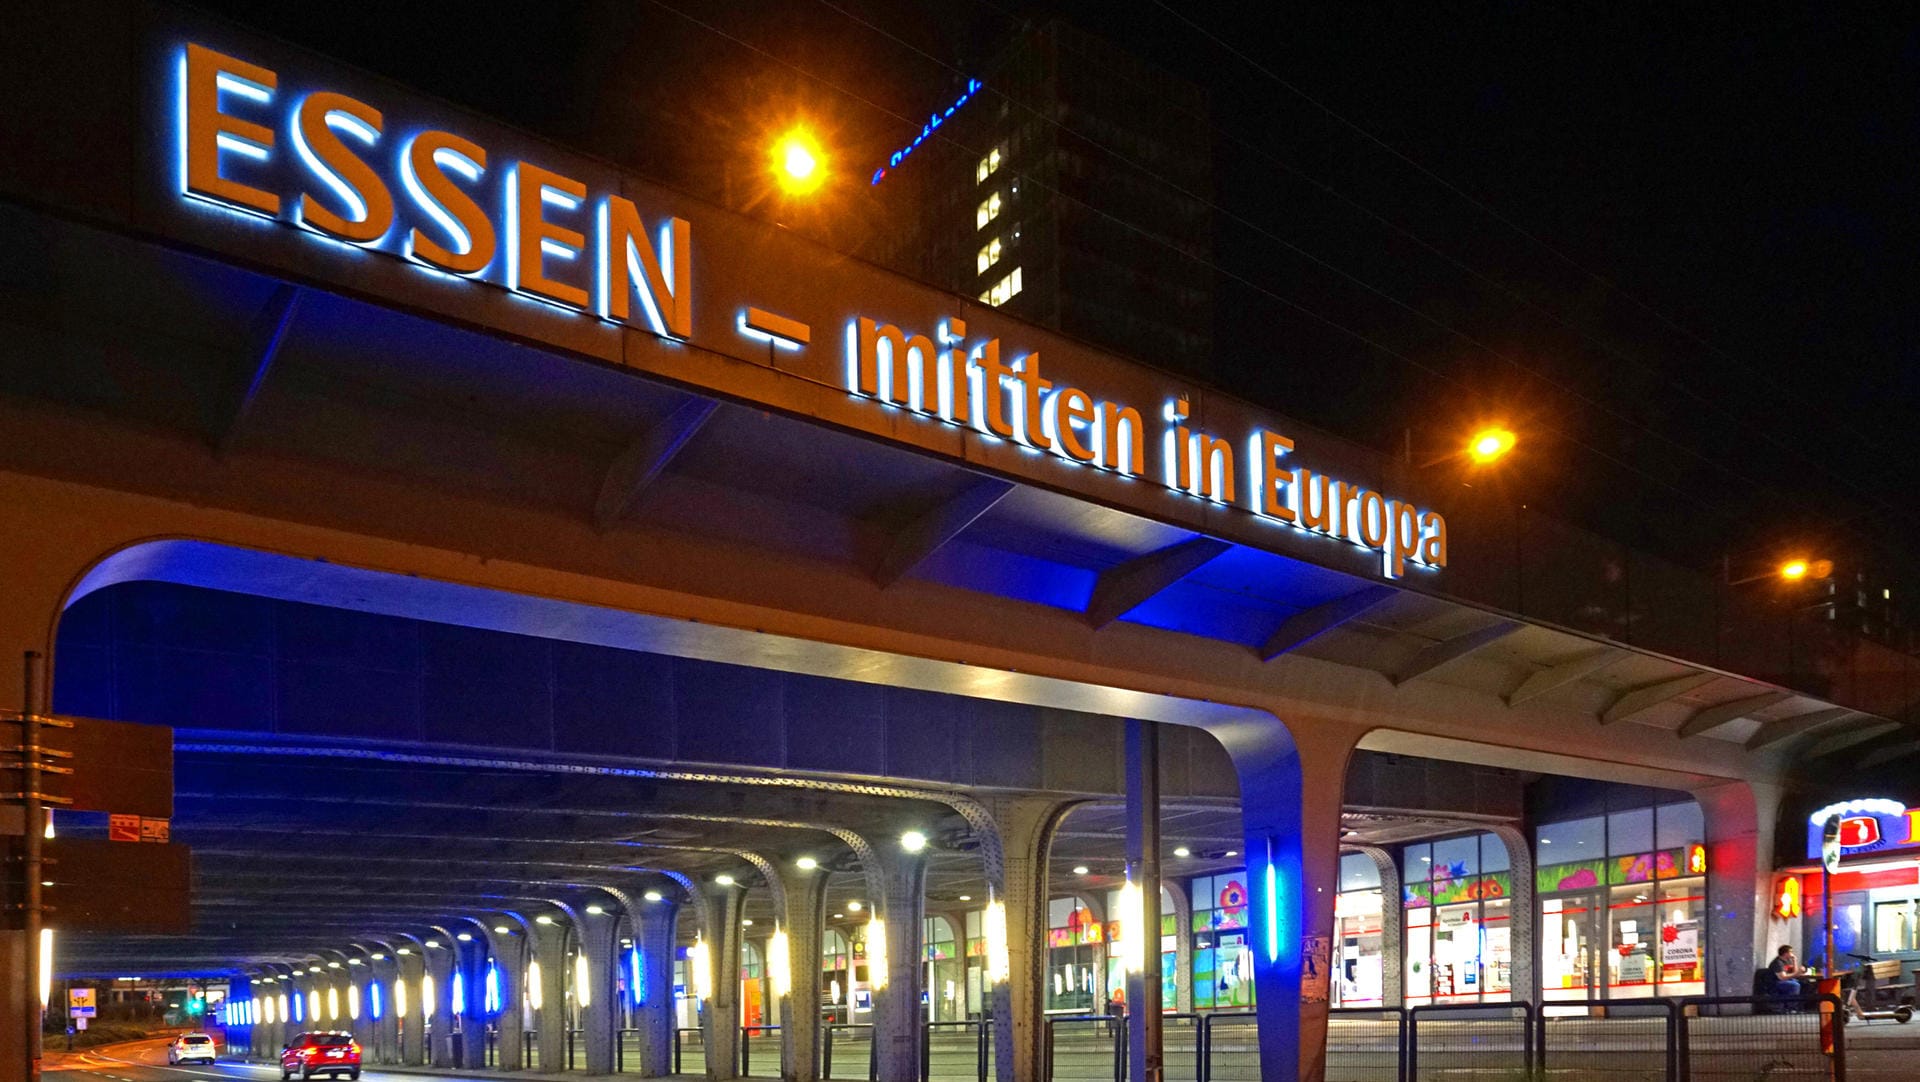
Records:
x=1024, y=828
x=409, y=966
x=898, y=1029
x=549, y=948
x=598, y=936
x=440, y=959
x=1292, y=782
x=1522, y=919
x=799, y=1013
x=381, y=969
x=1741, y=818
x=510, y=957
x=655, y=934
x=1393, y=925
x=720, y=1018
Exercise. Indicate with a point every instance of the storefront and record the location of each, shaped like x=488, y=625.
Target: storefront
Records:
x=1876, y=892
x=1222, y=956
x=1621, y=899
x=1458, y=946
x=1359, y=964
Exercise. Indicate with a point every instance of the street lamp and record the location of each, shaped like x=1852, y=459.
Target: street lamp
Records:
x=1490, y=443
x=799, y=164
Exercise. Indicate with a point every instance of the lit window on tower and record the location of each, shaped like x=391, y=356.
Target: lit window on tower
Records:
x=989, y=255
x=1004, y=290
x=987, y=167
x=989, y=209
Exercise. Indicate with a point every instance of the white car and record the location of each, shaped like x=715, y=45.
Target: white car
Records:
x=191, y=1047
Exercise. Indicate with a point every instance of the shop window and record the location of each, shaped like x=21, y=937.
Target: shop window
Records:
x=946, y=985
x=1896, y=926
x=1630, y=832
x=1222, y=955
x=1679, y=826
x=1416, y=864
x=1580, y=839
x=1358, y=872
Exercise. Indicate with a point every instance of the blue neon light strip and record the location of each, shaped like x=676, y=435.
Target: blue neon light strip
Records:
x=933, y=121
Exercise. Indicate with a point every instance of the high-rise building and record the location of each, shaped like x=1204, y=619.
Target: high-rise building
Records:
x=1072, y=188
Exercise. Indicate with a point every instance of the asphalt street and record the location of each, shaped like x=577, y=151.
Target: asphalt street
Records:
x=146, y=1061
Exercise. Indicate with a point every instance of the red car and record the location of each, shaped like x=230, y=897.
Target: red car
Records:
x=320, y=1052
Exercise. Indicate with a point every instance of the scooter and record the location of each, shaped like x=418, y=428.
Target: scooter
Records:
x=1863, y=995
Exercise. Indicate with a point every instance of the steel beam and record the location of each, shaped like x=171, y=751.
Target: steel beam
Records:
x=1642, y=699
x=1710, y=718
x=1447, y=651
x=1774, y=732
x=1558, y=676
x=1309, y=624
x=925, y=535
x=628, y=476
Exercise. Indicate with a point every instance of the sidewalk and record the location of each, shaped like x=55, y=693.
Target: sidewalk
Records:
x=520, y=1076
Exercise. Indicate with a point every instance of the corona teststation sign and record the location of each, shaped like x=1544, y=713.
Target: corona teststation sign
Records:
x=364, y=180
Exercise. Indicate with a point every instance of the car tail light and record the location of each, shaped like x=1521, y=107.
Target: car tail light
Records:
x=353, y=1049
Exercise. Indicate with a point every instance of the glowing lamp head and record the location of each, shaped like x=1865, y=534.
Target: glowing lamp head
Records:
x=913, y=841
x=1794, y=570
x=799, y=165
x=1490, y=444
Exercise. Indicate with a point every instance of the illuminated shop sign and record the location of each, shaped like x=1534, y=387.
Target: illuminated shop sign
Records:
x=926, y=131
x=1866, y=826
x=970, y=384
x=357, y=179
x=367, y=180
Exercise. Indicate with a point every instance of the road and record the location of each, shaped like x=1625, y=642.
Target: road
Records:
x=146, y=1061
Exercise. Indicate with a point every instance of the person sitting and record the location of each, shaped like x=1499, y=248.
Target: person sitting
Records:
x=1786, y=974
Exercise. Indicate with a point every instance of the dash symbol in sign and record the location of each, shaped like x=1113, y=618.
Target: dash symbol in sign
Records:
x=779, y=331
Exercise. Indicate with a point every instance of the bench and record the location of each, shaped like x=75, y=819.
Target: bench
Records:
x=1881, y=986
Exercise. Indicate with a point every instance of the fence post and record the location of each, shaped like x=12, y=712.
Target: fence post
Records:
x=1413, y=1044
x=1839, y=1039
x=926, y=1051
x=1200, y=1051
x=1533, y=1017
x=873, y=1053
x=746, y=1050
x=1400, y=1015
x=981, y=1055
x=826, y=1054
x=1046, y=1046
x=1673, y=1040
x=676, y=1050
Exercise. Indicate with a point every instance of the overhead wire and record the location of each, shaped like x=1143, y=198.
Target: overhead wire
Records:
x=1341, y=272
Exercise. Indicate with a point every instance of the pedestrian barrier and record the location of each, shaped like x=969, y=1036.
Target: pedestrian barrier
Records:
x=1085, y=1048
x=1469, y=1040
x=1728, y=1038
x=847, y=1052
x=1618, y=1041
x=747, y=1035
x=1364, y=1044
x=680, y=1042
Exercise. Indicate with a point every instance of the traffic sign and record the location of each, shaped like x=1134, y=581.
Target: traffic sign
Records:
x=103, y=886
x=123, y=828
x=101, y=766
x=80, y=1002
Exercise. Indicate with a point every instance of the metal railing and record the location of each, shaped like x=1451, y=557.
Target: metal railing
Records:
x=746, y=1048
x=848, y=1029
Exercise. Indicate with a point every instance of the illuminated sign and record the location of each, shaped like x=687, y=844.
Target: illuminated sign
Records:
x=346, y=171
x=1786, y=897
x=926, y=131
x=248, y=140
x=969, y=384
x=1866, y=826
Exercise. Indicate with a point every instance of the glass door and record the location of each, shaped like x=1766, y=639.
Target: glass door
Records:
x=1572, y=940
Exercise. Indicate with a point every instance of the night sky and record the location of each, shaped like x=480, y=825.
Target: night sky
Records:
x=1673, y=245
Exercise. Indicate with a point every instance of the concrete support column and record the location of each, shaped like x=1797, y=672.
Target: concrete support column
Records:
x=1393, y=926
x=1291, y=785
x=599, y=943
x=655, y=935
x=1180, y=895
x=549, y=948
x=408, y=970
x=510, y=957
x=1146, y=1060
x=1026, y=826
x=440, y=963
x=799, y=1013
x=720, y=1018
x=383, y=971
x=1741, y=818
x=899, y=1029
x=1522, y=919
